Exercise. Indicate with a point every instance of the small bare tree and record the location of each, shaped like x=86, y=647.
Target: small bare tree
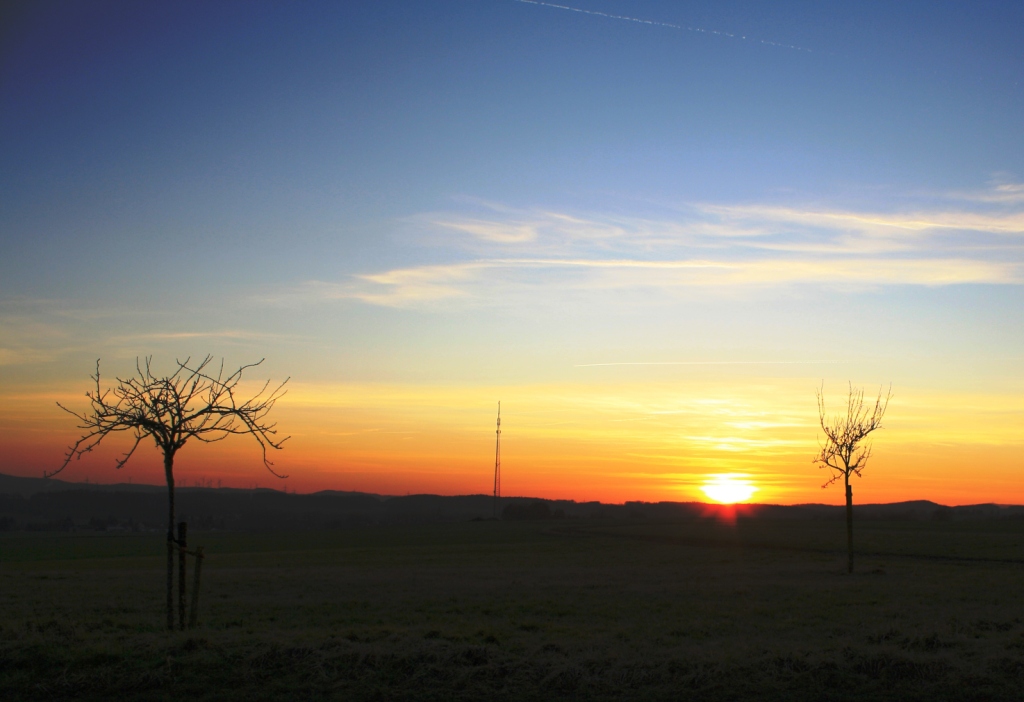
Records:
x=192, y=402
x=844, y=451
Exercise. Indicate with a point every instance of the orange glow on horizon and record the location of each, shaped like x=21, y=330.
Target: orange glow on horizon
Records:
x=631, y=442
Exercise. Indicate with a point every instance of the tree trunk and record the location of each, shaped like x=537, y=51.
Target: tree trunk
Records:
x=169, y=473
x=849, y=527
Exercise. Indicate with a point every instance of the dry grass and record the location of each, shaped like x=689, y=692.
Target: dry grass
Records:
x=555, y=610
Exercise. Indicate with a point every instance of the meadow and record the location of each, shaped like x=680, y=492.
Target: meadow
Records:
x=548, y=610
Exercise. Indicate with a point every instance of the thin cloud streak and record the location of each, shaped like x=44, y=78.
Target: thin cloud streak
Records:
x=1012, y=223
x=1004, y=193
x=705, y=363
x=515, y=253
x=713, y=226
x=229, y=335
x=669, y=25
x=491, y=280
x=412, y=286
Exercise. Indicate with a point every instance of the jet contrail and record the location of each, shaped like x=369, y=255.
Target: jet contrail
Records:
x=704, y=363
x=655, y=23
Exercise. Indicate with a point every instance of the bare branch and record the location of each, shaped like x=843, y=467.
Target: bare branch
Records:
x=189, y=403
x=844, y=451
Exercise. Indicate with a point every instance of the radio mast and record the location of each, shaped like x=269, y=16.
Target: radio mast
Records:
x=497, y=464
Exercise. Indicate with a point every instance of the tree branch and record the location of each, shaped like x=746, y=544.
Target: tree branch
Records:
x=189, y=403
x=841, y=452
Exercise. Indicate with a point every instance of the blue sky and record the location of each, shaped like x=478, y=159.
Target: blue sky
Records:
x=232, y=128
x=503, y=192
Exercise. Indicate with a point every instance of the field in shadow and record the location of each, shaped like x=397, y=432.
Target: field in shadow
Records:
x=567, y=609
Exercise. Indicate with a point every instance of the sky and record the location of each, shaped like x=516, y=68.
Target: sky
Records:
x=651, y=229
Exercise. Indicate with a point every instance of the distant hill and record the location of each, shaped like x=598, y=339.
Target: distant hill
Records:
x=50, y=504
x=26, y=487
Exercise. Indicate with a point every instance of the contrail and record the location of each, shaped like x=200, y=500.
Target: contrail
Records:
x=655, y=23
x=703, y=363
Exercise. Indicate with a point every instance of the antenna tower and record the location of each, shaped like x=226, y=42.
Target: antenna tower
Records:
x=497, y=464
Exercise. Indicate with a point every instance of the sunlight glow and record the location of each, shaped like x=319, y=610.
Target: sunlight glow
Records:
x=728, y=488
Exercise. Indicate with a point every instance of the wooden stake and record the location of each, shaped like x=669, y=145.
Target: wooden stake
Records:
x=182, y=565
x=194, y=610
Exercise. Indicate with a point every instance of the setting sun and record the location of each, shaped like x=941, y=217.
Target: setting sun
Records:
x=728, y=489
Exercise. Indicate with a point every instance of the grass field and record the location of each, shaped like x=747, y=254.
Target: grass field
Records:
x=569, y=609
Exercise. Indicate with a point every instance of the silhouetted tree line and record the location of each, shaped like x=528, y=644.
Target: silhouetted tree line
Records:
x=65, y=507
x=518, y=512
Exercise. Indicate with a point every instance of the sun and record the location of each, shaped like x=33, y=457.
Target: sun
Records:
x=728, y=488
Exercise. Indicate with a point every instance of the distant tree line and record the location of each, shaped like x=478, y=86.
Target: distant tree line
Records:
x=532, y=511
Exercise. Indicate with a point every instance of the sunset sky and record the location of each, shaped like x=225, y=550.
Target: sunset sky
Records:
x=651, y=229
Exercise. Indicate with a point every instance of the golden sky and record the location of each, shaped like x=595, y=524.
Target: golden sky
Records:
x=614, y=442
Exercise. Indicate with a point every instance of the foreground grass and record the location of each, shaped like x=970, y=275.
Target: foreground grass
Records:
x=555, y=610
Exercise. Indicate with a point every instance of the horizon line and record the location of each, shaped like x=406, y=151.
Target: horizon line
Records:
x=511, y=497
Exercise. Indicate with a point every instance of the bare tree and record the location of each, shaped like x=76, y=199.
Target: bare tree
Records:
x=190, y=403
x=844, y=451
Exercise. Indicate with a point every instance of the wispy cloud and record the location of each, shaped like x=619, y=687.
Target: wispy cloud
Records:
x=28, y=338
x=38, y=331
x=714, y=226
x=873, y=223
x=503, y=253
x=222, y=334
x=10, y=357
x=500, y=232
x=1000, y=192
x=484, y=280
